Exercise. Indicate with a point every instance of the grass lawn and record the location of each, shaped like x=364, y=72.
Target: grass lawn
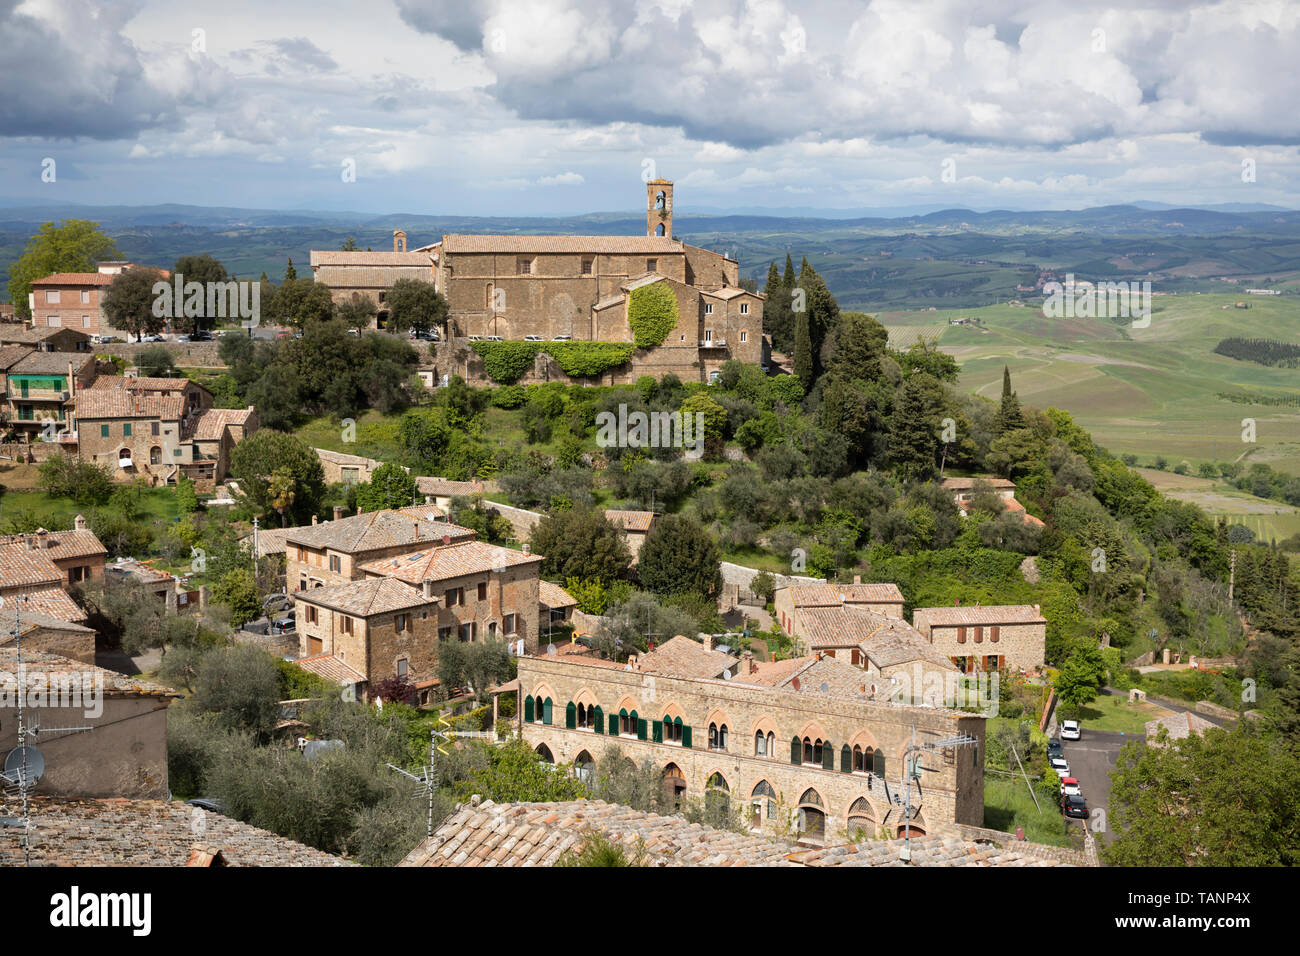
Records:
x=158, y=505
x=1007, y=805
x=1116, y=713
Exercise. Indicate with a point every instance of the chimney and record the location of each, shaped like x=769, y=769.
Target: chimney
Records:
x=360, y=509
x=313, y=519
x=338, y=512
x=857, y=579
x=631, y=662
x=428, y=588
x=79, y=522
x=528, y=549
x=708, y=642
x=446, y=539
x=415, y=530
x=32, y=543
x=747, y=663
x=1037, y=609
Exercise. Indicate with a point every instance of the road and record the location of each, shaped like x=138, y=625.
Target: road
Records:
x=1091, y=760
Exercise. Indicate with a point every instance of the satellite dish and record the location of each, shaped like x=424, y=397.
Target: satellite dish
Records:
x=726, y=675
x=825, y=687
x=431, y=516
x=550, y=650
x=35, y=761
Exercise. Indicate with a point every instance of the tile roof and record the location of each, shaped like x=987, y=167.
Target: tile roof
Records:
x=212, y=423
x=774, y=673
x=331, y=668
x=75, y=278
x=965, y=484
x=21, y=566
x=638, y=521
x=269, y=540
x=50, y=363
x=613, y=245
x=53, y=601
x=94, y=405
x=887, y=641
x=554, y=596
x=340, y=458
x=445, y=561
x=32, y=621
x=58, y=545
x=445, y=487
x=981, y=614
x=334, y=257
x=829, y=595
x=85, y=832
x=143, y=570
x=22, y=335
x=373, y=530
x=10, y=354
x=538, y=834
x=142, y=383
x=115, y=684
x=364, y=598
x=685, y=657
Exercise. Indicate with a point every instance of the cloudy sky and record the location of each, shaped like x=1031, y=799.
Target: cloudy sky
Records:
x=516, y=107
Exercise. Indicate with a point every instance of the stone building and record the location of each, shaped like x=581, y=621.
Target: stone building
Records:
x=574, y=287
x=964, y=491
x=44, y=339
x=42, y=387
x=884, y=599
x=49, y=635
x=798, y=743
x=346, y=469
x=636, y=526
x=124, y=754
x=989, y=637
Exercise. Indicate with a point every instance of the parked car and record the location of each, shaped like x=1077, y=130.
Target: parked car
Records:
x=284, y=334
x=1075, y=806
x=426, y=335
x=562, y=338
x=1070, y=730
x=492, y=338
x=475, y=338
x=152, y=337
x=1054, y=748
x=104, y=339
x=533, y=338
x=284, y=624
x=1061, y=767
x=200, y=335
x=1070, y=787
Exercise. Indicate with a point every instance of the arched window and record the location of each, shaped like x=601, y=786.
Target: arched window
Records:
x=862, y=820
x=674, y=783
x=672, y=730
x=807, y=750
x=812, y=751
x=544, y=752
x=659, y=229
x=717, y=736
x=155, y=455
x=762, y=801
x=863, y=760
x=583, y=766
x=812, y=816
x=718, y=782
x=717, y=795
x=761, y=748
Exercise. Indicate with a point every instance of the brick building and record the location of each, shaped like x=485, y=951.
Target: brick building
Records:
x=800, y=741
x=986, y=637
x=574, y=287
x=70, y=300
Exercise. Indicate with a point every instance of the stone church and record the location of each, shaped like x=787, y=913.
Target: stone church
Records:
x=577, y=288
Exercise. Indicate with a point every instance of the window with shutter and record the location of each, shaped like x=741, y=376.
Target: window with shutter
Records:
x=640, y=729
x=979, y=635
x=828, y=756
x=846, y=759
x=598, y=722
x=528, y=709
x=961, y=635
x=994, y=633
x=613, y=725
x=657, y=732
x=796, y=751
x=546, y=712
x=570, y=716
x=686, y=735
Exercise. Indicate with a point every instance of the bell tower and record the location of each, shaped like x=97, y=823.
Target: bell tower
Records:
x=659, y=208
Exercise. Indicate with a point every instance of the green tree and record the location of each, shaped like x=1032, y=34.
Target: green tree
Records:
x=240, y=687
x=1082, y=676
x=914, y=426
x=128, y=302
x=155, y=361
x=413, y=304
x=1223, y=799
x=349, y=245
x=202, y=268
x=72, y=246
x=85, y=482
x=390, y=486
x=299, y=302
x=290, y=273
x=1010, y=417
x=715, y=422
x=266, y=453
x=581, y=543
x=237, y=591
x=679, y=557
x=803, y=357
x=358, y=313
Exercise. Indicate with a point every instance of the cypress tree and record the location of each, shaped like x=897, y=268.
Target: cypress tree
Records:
x=1010, y=416
x=803, y=357
x=290, y=273
x=773, y=280
x=788, y=279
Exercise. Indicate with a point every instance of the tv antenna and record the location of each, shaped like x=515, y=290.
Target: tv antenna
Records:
x=439, y=739
x=911, y=769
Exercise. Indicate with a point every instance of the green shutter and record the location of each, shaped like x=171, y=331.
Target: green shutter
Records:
x=686, y=735
x=828, y=756
x=570, y=716
x=796, y=751
x=657, y=732
x=846, y=759
x=640, y=729
x=613, y=724
x=528, y=709
x=599, y=721
x=103, y=431
x=546, y=711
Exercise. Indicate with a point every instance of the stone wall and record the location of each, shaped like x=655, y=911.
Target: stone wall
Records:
x=521, y=520
x=35, y=452
x=185, y=354
x=742, y=577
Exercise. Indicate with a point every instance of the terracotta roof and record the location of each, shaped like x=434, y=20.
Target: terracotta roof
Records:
x=95, y=405
x=965, y=484
x=212, y=423
x=143, y=383
x=331, y=668
x=145, y=572
x=75, y=278
x=774, y=673
x=612, y=245
x=372, y=530
x=538, y=834
x=52, y=601
x=32, y=621
x=22, y=335
x=339, y=458
x=51, y=363
x=981, y=614
x=684, y=657
x=364, y=598
x=443, y=562
x=335, y=257
x=829, y=595
x=638, y=521
x=10, y=355
x=269, y=540
x=21, y=566
x=445, y=487
x=114, y=684
x=58, y=545
x=554, y=596
x=70, y=832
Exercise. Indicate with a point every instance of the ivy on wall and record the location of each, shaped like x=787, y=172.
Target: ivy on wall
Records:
x=651, y=314
x=506, y=362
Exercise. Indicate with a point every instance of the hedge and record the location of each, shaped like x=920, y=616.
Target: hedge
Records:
x=506, y=362
x=651, y=314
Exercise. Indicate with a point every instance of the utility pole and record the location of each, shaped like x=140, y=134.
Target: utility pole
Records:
x=1232, y=575
x=255, y=552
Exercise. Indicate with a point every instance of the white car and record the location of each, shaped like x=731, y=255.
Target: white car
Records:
x=1070, y=787
x=533, y=338
x=1061, y=767
x=492, y=338
x=1070, y=730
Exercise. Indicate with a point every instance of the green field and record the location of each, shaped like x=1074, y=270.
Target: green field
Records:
x=1146, y=391
x=1007, y=805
